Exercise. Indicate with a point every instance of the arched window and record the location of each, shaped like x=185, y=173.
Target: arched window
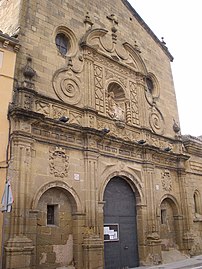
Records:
x=197, y=202
x=62, y=43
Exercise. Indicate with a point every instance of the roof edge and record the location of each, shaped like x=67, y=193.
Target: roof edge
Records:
x=149, y=31
x=12, y=40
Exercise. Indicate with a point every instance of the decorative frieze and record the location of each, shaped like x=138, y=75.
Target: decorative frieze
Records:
x=75, y=118
x=43, y=107
x=159, y=160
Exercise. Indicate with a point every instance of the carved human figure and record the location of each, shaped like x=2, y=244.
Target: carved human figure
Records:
x=115, y=110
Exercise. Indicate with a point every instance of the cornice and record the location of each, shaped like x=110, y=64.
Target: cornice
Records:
x=193, y=145
x=9, y=42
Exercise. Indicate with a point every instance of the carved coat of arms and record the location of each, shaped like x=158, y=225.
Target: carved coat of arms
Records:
x=59, y=162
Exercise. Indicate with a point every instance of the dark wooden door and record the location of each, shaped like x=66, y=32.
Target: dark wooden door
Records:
x=120, y=251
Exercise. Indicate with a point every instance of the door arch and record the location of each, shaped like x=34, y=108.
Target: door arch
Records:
x=120, y=227
x=54, y=233
x=169, y=227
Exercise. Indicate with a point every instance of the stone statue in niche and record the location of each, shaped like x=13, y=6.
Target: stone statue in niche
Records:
x=115, y=110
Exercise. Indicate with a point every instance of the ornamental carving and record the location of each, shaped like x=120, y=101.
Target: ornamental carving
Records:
x=134, y=103
x=156, y=121
x=43, y=108
x=166, y=181
x=59, y=162
x=99, y=91
x=115, y=110
x=104, y=41
x=67, y=86
x=28, y=100
x=58, y=112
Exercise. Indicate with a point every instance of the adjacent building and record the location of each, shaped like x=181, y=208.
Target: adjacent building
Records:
x=8, y=49
x=100, y=174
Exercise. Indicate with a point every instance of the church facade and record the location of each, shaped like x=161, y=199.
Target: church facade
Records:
x=101, y=176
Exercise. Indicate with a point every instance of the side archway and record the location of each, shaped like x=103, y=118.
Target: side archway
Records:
x=57, y=206
x=75, y=200
x=169, y=221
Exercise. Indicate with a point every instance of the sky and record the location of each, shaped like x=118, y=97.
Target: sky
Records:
x=180, y=22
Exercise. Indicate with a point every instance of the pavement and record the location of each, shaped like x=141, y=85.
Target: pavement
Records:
x=194, y=262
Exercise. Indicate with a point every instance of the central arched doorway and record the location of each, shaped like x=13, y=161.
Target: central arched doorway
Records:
x=120, y=229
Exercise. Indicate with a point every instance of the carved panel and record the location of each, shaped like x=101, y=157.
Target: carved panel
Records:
x=99, y=91
x=134, y=103
x=58, y=112
x=43, y=107
x=166, y=181
x=28, y=100
x=92, y=121
x=75, y=118
x=59, y=162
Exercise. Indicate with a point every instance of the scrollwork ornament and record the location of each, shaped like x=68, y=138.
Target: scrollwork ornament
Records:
x=156, y=122
x=59, y=162
x=67, y=87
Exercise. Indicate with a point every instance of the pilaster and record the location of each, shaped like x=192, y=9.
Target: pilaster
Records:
x=153, y=238
x=187, y=223
x=19, y=248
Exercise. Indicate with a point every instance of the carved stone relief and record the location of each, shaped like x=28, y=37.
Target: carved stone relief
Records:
x=115, y=110
x=107, y=43
x=99, y=91
x=166, y=180
x=42, y=107
x=115, y=131
x=91, y=121
x=156, y=121
x=59, y=162
x=58, y=112
x=28, y=100
x=67, y=86
x=134, y=103
x=75, y=118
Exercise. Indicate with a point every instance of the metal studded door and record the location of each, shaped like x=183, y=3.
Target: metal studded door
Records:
x=120, y=231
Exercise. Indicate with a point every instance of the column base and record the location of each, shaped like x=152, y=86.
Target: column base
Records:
x=93, y=248
x=18, y=252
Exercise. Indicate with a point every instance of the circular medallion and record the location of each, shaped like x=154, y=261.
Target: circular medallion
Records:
x=67, y=89
x=156, y=122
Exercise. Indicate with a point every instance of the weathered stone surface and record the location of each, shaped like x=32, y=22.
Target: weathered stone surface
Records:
x=114, y=89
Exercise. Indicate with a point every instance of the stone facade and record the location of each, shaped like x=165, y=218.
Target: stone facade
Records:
x=98, y=106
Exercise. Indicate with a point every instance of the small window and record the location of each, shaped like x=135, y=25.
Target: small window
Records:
x=197, y=202
x=62, y=43
x=163, y=216
x=51, y=214
x=150, y=85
